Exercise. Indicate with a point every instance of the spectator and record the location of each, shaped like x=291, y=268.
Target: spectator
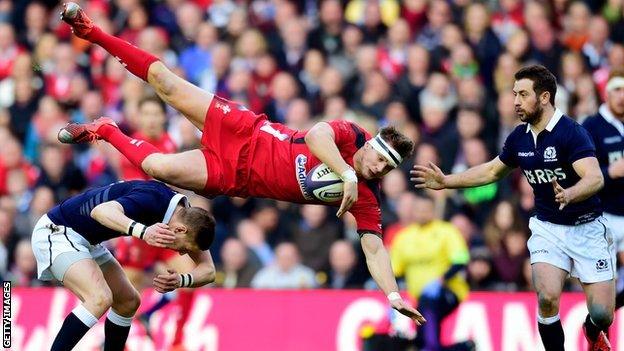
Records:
x=237, y=270
x=24, y=270
x=286, y=273
x=343, y=272
x=59, y=173
x=313, y=235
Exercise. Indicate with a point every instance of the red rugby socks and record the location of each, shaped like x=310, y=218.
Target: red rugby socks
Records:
x=134, y=149
x=134, y=59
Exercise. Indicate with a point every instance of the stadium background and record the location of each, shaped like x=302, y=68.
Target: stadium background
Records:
x=440, y=70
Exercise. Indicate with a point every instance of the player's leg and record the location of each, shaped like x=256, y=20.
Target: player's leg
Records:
x=594, y=264
x=126, y=301
x=185, y=296
x=186, y=170
x=190, y=100
x=550, y=266
x=434, y=309
x=619, y=297
x=548, y=281
x=85, y=279
x=601, y=307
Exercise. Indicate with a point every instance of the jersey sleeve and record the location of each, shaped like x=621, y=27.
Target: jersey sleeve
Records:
x=366, y=210
x=508, y=154
x=145, y=200
x=580, y=144
x=344, y=131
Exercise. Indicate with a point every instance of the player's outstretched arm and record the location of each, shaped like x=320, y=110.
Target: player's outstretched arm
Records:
x=111, y=215
x=433, y=178
x=590, y=183
x=378, y=262
x=321, y=141
x=202, y=274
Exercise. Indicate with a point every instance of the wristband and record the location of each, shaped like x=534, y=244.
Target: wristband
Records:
x=136, y=229
x=394, y=296
x=186, y=280
x=349, y=176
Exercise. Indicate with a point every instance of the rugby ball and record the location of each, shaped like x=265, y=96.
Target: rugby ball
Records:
x=323, y=184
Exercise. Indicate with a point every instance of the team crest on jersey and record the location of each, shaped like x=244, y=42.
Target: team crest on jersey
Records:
x=602, y=265
x=300, y=169
x=550, y=154
x=223, y=107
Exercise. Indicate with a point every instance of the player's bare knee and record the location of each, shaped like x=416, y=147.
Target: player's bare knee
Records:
x=128, y=303
x=160, y=77
x=100, y=298
x=601, y=315
x=548, y=302
x=156, y=166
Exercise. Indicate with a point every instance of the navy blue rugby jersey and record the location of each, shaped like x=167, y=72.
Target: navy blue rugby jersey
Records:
x=608, y=136
x=147, y=202
x=550, y=156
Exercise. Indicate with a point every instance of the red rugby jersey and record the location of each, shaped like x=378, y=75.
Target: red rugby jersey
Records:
x=281, y=159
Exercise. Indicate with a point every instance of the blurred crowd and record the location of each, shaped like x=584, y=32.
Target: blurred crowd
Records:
x=440, y=70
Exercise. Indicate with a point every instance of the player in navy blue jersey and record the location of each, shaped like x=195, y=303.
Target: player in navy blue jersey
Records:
x=66, y=243
x=569, y=236
x=607, y=129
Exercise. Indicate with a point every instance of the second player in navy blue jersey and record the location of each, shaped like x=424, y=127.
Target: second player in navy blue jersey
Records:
x=607, y=129
x=568, y=234
x=66, y=243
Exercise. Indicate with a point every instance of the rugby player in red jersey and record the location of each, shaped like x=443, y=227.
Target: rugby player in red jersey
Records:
x=244, y=154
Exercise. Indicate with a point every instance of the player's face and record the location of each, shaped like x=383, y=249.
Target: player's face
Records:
x=151, y=119
x=526, y=102
x=615, y=100
x=374, y=165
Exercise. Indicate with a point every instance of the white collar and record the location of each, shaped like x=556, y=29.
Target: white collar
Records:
x=551, y=124
x=173, y=203
x=609, y=117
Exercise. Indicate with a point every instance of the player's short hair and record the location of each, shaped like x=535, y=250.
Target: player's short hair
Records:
x=543, y=80
x=155, y=99
x=616, y=72
x=402, y=144
x=201, y=223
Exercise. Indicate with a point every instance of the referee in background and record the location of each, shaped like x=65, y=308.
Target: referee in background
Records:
x=432, y=255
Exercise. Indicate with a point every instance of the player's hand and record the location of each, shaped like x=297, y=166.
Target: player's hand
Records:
x=430, y=177
x=405, y=309
x=562, y=196
x=167, y=282
x=159, y=235
x=616, y=169
x=349, y=197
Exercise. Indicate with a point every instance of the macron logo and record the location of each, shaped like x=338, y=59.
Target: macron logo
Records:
x=136, y=142
x=526, y=154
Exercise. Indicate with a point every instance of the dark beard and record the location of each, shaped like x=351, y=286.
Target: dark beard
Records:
x=533, y=117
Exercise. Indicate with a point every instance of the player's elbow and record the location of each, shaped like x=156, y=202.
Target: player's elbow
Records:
x=209, y=275
x=598, y=180
x=319, y=131
x=99, y=211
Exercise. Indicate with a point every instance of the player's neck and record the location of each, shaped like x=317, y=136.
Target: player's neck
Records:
x=357, y=162
x=547, y=113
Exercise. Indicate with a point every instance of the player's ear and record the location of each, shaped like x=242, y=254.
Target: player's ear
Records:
x=180, y=228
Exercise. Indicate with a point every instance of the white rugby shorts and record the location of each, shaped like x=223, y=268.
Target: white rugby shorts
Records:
x=585, y=251
x=57, y=247
x=616, y=224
